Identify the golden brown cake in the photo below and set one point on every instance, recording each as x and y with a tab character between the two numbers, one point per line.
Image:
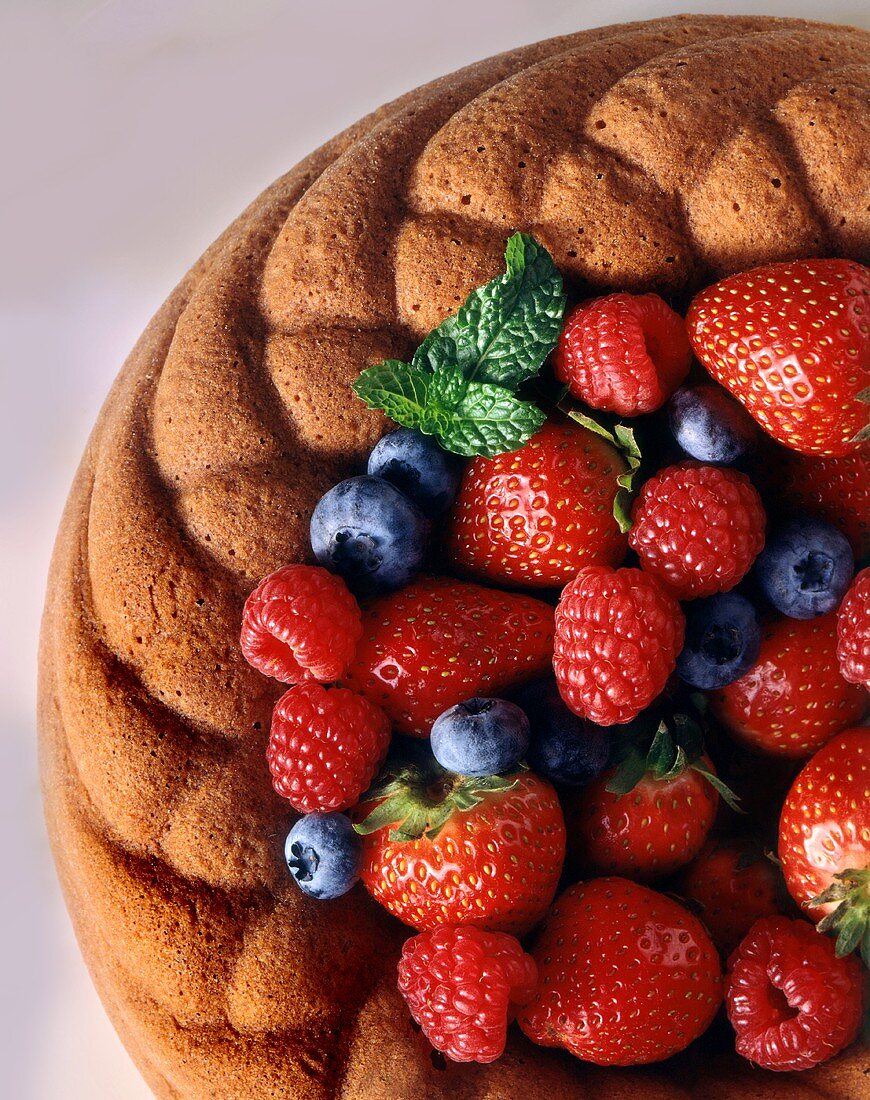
643	156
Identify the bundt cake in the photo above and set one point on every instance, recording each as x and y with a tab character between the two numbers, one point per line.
646	156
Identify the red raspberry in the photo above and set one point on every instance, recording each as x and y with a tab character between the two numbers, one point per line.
618	633
301	623
625	353
790	1000
325	746
853	631
463	985
698	528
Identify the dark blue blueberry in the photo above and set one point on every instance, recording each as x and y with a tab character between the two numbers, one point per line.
368	532
414	463
723	637
711	426
805	568
323	854
480	737
563	748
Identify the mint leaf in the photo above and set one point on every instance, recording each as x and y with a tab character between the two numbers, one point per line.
507	328
398	388
489	420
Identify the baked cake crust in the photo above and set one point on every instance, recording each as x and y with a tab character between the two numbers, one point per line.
643	156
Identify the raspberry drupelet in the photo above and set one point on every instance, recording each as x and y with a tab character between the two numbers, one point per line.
618	633
463	986
325	746
698	528
624	353
790	1000
301	623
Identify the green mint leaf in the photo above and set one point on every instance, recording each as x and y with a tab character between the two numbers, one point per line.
488	420
506	329
400	389
623	439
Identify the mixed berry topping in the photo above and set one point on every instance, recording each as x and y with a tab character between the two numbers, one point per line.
601	588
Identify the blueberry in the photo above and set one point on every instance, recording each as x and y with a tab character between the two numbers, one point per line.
563	748
416	465
723	637
480	737
711	426
323	854
370	533
805	568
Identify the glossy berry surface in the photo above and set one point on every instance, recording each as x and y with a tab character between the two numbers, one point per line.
834	489
440	641
711	426
734	884
654	829
323	855
300	623
325	746
623	353
793	699
698	528
824	828
480	736
791	1001
564	748
723	639
418	467
494	864
805	567
618	633
626	976
462	987
368	532
534	516
853	632
791	341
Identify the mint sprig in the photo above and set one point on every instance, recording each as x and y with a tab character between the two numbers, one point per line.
461	382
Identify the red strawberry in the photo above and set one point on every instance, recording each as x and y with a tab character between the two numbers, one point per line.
618	633
824	839
325	746
698	528
791	341
647	832
853	631
626	976
450	849
793	699
836	489
463	986
300	623
790	1000
624	353
439	641
735	884
535	516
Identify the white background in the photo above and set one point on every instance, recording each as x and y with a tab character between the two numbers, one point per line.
131	133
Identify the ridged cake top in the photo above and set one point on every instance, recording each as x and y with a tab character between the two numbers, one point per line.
644	156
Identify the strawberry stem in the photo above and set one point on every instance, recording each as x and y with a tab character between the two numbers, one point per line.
851	918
